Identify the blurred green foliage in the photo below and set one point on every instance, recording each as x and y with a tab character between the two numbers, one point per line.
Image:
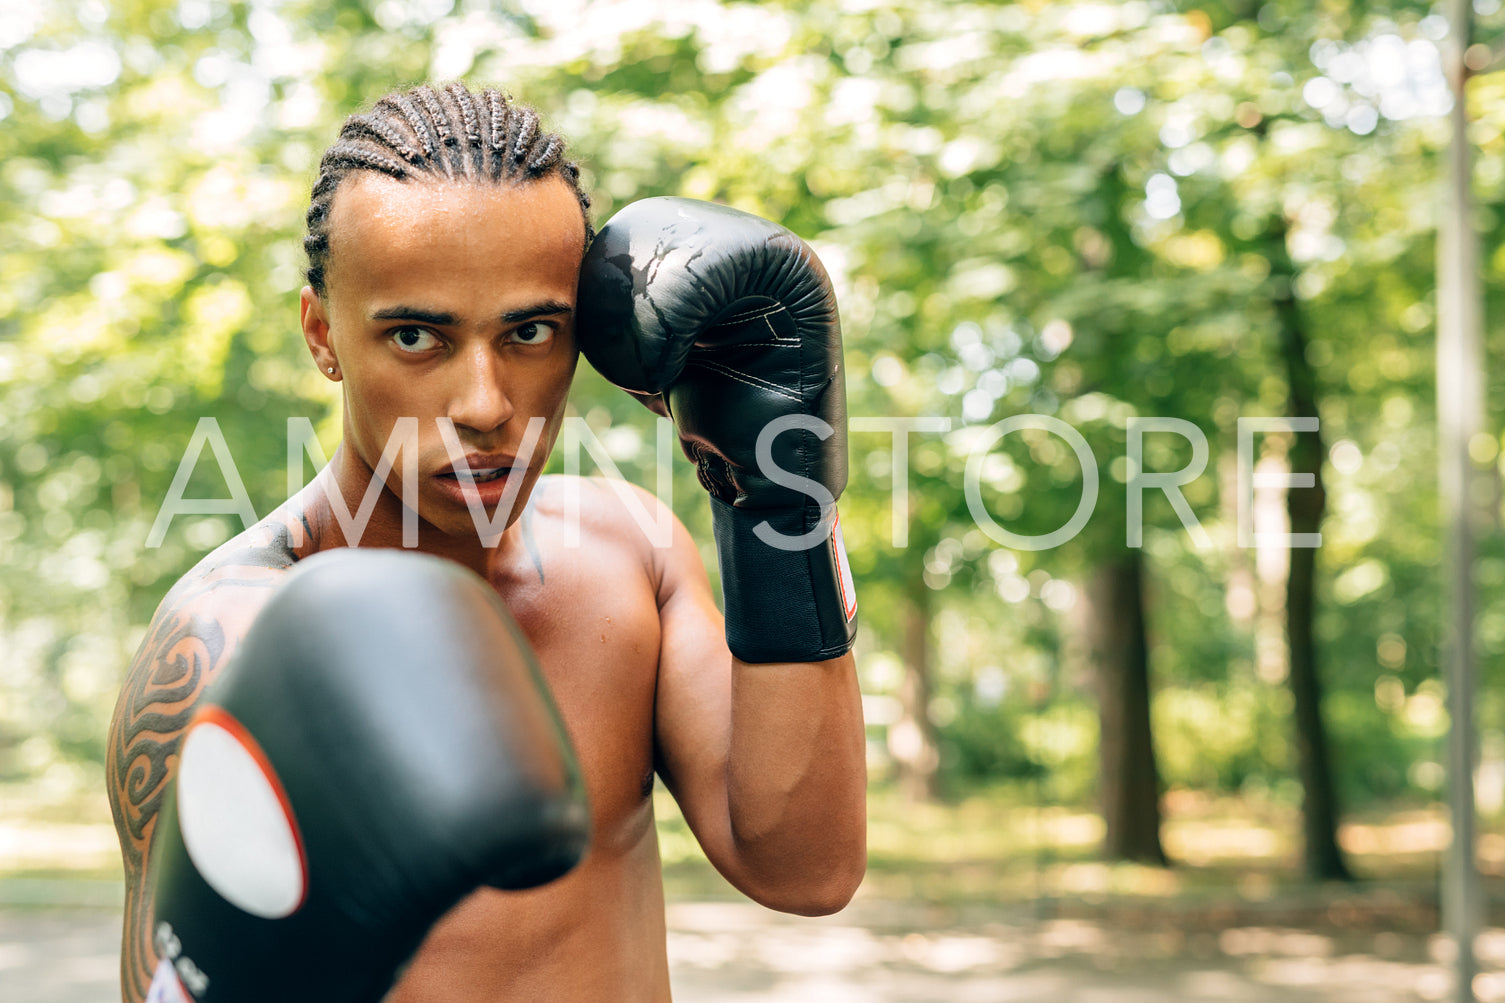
1062	209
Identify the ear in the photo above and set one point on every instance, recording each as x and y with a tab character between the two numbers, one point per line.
314	317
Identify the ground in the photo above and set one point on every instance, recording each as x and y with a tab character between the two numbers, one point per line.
985	899
885	952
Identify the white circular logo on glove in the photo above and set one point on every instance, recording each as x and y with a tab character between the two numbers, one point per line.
236	822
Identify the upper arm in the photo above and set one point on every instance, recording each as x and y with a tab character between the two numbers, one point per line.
182	651
693	704
191	637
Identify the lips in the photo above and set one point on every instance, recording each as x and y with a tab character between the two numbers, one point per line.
480	477
475	476
479	468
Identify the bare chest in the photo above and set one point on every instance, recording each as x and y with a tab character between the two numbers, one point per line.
592	618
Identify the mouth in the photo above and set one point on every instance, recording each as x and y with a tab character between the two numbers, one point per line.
480	468
476	475
486	479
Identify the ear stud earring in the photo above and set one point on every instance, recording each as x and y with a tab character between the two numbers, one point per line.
330	370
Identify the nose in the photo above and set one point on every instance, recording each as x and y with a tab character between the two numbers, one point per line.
480	402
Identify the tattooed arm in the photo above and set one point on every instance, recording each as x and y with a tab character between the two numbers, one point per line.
195	631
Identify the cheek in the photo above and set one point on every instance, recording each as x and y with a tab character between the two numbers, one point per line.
567	372
562	393
548	388
549	399
373	411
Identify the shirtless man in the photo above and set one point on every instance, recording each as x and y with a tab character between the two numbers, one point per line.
445	242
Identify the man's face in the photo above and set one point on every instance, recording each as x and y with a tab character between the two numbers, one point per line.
451	300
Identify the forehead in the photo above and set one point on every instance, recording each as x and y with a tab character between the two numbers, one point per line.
384	232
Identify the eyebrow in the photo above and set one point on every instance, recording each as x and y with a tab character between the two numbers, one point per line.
440	318
548	308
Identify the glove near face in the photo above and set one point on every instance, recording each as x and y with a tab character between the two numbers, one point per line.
727	323
380	745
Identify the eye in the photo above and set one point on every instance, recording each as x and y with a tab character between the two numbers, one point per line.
414	339
532	333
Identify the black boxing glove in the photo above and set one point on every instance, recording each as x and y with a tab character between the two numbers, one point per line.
727	323
380	745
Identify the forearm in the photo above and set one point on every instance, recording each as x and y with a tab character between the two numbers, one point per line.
797	783
743	347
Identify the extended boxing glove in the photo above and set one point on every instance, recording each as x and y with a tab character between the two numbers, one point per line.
727	323
380	745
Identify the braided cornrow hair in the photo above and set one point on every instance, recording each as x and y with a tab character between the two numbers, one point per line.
439	133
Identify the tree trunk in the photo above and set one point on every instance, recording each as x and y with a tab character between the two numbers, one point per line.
1322	857
1129	779
912	739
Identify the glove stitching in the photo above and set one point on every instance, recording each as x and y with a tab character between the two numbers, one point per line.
751	381
751	314
803	444
778	343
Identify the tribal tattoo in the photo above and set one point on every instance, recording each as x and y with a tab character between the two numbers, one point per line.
192	636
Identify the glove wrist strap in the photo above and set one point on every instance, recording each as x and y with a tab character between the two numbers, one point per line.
788	588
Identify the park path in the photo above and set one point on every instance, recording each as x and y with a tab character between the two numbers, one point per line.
876	952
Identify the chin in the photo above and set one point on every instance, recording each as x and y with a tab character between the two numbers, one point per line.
460	525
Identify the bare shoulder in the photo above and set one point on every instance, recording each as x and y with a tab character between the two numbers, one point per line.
608	504
612	513
193	633
187	640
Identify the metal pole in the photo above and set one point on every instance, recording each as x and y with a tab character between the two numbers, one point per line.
1460	416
